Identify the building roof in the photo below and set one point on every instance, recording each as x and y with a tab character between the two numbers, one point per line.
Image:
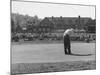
67	20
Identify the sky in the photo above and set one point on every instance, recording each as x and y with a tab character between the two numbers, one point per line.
48	10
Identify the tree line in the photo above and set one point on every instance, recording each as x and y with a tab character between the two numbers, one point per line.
19	21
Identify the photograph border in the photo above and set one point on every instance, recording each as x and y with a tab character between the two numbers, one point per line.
48	3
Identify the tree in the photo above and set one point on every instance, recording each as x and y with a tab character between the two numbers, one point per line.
19	21
18	28
12	25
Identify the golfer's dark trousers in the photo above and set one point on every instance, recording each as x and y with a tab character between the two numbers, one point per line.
67	44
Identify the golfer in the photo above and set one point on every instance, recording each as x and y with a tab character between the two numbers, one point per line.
66	36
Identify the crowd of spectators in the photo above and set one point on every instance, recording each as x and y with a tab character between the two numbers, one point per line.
16	37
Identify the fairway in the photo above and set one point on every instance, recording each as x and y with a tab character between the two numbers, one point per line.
44	53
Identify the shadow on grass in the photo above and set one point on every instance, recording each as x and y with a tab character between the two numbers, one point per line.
80	54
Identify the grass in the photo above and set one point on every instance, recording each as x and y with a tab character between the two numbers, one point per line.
28	68
40	58
45	42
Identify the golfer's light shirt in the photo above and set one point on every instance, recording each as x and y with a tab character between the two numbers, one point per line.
68	32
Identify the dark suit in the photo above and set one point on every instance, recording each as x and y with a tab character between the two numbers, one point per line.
67	44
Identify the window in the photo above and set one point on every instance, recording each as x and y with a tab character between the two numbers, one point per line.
76	21
43	29
82	21
34	29
48	29
70	21
39	29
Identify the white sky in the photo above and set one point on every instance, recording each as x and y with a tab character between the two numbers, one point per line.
47	10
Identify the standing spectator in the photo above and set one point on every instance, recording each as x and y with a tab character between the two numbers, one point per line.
88	39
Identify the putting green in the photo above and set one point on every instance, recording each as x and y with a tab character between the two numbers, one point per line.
43	53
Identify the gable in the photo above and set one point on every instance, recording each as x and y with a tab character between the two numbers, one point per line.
45	22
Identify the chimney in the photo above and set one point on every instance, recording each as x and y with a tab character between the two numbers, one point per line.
52	17
79	17
60	17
